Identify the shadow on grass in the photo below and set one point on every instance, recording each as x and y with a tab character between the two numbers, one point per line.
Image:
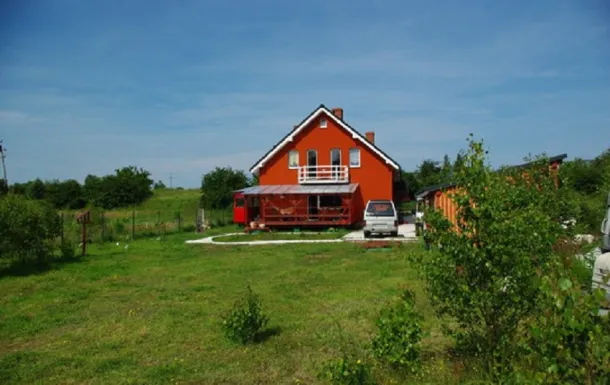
266	334
23	269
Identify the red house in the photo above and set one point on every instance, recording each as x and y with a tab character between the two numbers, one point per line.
321	173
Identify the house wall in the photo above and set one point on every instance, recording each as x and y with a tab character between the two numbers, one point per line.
442	201
374	176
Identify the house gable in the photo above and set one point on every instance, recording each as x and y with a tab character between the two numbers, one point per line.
307	123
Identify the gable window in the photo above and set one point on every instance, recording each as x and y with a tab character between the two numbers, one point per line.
354	157
293	159
323	123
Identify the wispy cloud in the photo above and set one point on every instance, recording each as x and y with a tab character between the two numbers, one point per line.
195	85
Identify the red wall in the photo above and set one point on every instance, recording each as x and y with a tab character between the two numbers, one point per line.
373	175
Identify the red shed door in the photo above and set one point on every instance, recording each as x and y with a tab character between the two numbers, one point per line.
239	209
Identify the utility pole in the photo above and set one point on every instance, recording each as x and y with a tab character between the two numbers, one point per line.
2	156
171	179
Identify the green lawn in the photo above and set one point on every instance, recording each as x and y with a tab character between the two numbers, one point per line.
150	314
278	235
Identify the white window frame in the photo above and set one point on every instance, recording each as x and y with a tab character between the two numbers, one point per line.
357	151
296	153
323	122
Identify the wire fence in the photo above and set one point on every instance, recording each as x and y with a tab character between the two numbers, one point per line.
110	226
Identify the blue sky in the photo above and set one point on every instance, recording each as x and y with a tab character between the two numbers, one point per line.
183	86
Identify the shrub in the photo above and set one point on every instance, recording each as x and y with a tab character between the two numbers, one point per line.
399	336
246	319
567	341
483	272
67	251
347	370
28	230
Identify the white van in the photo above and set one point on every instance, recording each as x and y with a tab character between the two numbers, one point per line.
380	217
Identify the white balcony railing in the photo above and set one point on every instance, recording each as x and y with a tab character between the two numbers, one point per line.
323	174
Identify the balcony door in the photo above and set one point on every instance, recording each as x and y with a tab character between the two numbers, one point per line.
312	162
335	162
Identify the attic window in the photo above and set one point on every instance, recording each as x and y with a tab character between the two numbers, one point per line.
323	123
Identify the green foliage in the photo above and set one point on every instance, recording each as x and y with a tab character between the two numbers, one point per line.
36	189
567	341
3	188
65	194
28	230
128	186
398	340
482	272
347	370
67	251
218	185
159	185
245	320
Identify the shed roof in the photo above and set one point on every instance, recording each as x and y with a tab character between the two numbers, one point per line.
278	189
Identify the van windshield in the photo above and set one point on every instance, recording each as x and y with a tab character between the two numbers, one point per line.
380	209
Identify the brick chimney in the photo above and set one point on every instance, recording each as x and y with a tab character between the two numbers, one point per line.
370	136
338	112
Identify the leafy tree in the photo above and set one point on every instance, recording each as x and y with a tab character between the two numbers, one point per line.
3	187
428	173
412	182
18	188
65	194
36	189
159	185
482	271
584	177
128	186
218	185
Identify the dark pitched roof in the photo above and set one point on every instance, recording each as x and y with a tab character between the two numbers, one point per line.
429	189
341	122
553	159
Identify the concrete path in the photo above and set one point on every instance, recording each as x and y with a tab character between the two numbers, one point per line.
210	241
406	233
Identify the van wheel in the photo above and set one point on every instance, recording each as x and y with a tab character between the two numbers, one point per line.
367	234
394	234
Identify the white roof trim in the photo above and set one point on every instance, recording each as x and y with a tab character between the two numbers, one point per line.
302	126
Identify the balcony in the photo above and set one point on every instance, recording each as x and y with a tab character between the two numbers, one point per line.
323	174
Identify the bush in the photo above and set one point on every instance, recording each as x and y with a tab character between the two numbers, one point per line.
347	370
67	251
245	320
398	340
483	271
28	230
567	342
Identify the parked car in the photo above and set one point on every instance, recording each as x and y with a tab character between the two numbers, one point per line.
380	217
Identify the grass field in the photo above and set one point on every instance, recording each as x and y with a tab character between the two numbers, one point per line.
150	314
167	211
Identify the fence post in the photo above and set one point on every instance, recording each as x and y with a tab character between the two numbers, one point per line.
133	224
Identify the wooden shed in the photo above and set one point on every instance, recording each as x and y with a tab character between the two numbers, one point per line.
438	196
